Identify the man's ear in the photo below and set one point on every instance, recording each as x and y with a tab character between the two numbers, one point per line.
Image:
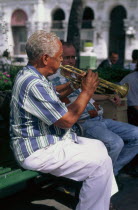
45	59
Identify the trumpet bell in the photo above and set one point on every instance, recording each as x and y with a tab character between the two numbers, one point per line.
121	90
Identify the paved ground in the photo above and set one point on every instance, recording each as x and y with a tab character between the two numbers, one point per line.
127	198
49	198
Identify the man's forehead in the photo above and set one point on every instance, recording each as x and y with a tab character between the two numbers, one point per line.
68	49
114	54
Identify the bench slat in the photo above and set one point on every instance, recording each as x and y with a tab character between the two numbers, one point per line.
16	178
14	181
9	173
4	170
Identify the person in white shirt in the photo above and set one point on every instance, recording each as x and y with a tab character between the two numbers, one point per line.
132	65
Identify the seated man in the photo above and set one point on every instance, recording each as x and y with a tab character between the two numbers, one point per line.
121	139
41	137
112	61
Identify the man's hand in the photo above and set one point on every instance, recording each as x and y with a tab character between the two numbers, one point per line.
115	99
90	82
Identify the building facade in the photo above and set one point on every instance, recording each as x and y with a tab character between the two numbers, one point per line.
108	24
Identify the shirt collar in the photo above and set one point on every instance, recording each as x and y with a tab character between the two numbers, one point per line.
32	68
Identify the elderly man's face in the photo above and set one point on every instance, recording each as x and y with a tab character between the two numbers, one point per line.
114	58
54	62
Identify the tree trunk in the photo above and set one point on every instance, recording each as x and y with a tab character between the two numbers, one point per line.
74	26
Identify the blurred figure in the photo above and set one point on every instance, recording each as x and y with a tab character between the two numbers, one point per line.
132	97
132	64
5	60
112	61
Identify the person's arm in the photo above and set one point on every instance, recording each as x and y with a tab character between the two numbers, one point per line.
113	98
66	89
88	86
99	97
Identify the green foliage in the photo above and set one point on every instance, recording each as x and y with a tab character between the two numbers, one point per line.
5	81
13	72
7	77
112	74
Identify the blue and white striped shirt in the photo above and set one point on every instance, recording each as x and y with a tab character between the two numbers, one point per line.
35	106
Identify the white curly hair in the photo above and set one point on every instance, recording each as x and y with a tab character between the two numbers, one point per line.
40	43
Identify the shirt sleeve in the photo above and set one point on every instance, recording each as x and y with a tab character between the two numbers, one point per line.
43	103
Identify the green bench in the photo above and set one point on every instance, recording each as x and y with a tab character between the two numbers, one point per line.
12	177
11	181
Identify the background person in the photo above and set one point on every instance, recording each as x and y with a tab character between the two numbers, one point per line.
112	61
132	111
41	137
121	139
132	64
132	97
5	61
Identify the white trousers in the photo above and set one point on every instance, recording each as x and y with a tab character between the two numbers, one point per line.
85	161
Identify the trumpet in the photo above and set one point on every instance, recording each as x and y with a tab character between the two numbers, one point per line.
104	85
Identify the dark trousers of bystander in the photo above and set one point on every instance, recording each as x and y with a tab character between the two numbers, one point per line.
132	115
